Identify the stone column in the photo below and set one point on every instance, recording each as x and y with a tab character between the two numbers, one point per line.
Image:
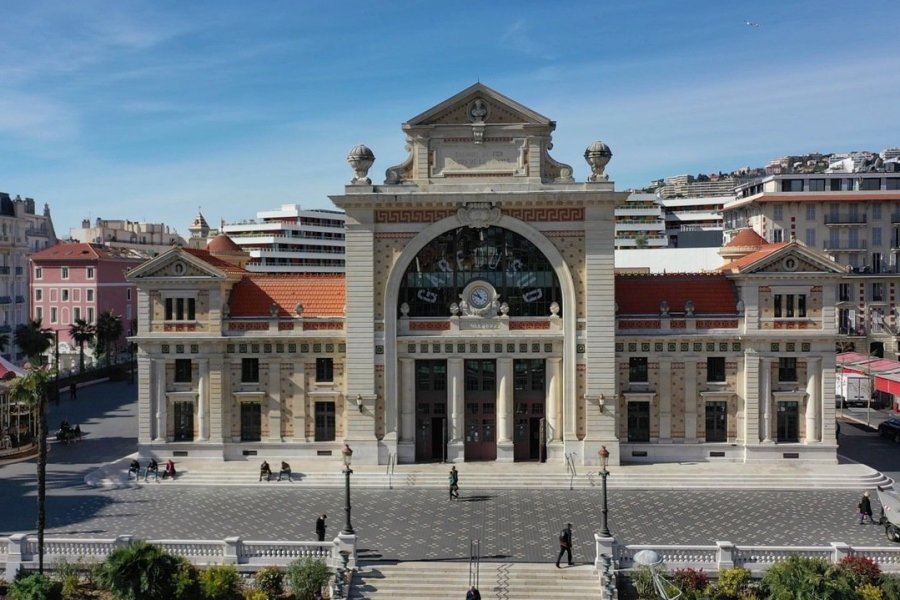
741	411
505	388
456	398
813	399
203	400
690	401
161	400
219	400
554	387
665	400
274	401
765	399
406	449
298	385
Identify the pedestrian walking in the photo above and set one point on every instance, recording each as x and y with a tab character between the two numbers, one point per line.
454	482
473	594
565	545
73	391
320	527
865	509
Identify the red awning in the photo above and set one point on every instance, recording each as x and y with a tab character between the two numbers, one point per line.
888	383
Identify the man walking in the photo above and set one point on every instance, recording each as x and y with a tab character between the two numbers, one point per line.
454	483
565	545
320	527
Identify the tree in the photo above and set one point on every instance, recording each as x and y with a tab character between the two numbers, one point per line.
33	339
31	390
109	330
82	333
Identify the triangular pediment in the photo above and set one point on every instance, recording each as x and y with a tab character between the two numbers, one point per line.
794	257
478	102
176	263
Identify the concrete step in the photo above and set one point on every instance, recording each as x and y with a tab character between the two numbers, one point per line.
449	581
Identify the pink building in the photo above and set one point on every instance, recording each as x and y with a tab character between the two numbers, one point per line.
72	281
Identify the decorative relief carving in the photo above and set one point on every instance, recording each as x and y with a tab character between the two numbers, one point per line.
547	214
639	324
717	323
412	216
429	325
308	326
248	326
529	325
181	327
479	214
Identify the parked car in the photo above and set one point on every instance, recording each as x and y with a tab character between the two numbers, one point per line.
890	429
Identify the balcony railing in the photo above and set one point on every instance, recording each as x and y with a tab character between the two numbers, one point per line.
846	220
5	299
846	246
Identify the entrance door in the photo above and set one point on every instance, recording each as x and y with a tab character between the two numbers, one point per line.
638	421
481	409
528	399
716	421
251	422
431	410
184	421
789	421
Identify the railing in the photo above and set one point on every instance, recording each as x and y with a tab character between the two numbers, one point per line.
756	558
570	468
474	562
392	461
20	551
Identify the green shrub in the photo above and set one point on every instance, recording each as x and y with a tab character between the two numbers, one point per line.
732	583
862	569
140	571
867	591
69	576
255	594
890	586
270	580
307	577
34	586
800	577
692	582
220	582
186	581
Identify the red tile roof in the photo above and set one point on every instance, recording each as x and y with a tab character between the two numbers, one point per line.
322	295
744	261
222	244
72	252
215	262
712	294
747	238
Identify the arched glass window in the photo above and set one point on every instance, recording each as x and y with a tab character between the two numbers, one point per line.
519	272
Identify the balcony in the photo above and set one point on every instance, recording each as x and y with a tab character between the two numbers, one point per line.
20	299
845	246
5	299
846	221
4	270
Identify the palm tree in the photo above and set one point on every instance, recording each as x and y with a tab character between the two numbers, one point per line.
82	333
109	330
31	389
33	339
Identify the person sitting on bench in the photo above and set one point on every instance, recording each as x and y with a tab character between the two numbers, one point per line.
285	470
152	467
265	471
135	468
169	471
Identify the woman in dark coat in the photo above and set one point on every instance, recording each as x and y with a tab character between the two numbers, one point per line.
865	509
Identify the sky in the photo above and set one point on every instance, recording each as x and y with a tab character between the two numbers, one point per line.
153	110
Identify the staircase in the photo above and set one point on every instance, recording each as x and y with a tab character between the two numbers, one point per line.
449	581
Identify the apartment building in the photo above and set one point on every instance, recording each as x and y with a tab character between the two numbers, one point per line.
146	238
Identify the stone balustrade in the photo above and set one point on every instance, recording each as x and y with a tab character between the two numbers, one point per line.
20	550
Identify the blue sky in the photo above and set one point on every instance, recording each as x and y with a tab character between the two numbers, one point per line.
149	110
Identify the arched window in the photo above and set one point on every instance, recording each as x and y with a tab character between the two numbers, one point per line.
519	272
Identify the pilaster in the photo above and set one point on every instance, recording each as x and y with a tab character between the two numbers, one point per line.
813	399
456	399
504	410
690	401
274	401
665	400
203	400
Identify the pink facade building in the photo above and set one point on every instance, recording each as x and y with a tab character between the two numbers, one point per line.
72	281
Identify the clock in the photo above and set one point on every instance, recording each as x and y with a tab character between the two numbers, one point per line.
479	296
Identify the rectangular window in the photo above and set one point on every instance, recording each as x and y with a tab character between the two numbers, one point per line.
892	183
876	211
715	369
791	185
65	272
876	236
870	184
816	185
844	292
637	369
128	293
89	295
180	309
90	314
777	306
38	294
76	314
250	370
787	369
834	184
716	421
38	273
39	313
89	272
777	236
877	292
876	262
182	370
789	306
811	237
325	421
65	295
810	212
778	212
324	369
53	316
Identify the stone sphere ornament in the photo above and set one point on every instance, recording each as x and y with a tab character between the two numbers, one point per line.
597	156
361	159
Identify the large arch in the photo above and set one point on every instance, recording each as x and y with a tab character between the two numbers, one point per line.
569	312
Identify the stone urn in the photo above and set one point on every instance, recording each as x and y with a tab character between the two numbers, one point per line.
361	159
597	156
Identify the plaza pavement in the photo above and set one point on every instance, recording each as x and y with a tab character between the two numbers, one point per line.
410	522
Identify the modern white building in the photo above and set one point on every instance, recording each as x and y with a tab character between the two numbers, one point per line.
292	240
639	223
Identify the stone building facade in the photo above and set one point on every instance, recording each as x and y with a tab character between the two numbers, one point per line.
480	318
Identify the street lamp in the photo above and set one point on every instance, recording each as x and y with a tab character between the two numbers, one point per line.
347	453
604	460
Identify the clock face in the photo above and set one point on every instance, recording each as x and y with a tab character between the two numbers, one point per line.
479	297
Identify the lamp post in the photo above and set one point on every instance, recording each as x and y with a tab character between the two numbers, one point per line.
604	460
347	453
